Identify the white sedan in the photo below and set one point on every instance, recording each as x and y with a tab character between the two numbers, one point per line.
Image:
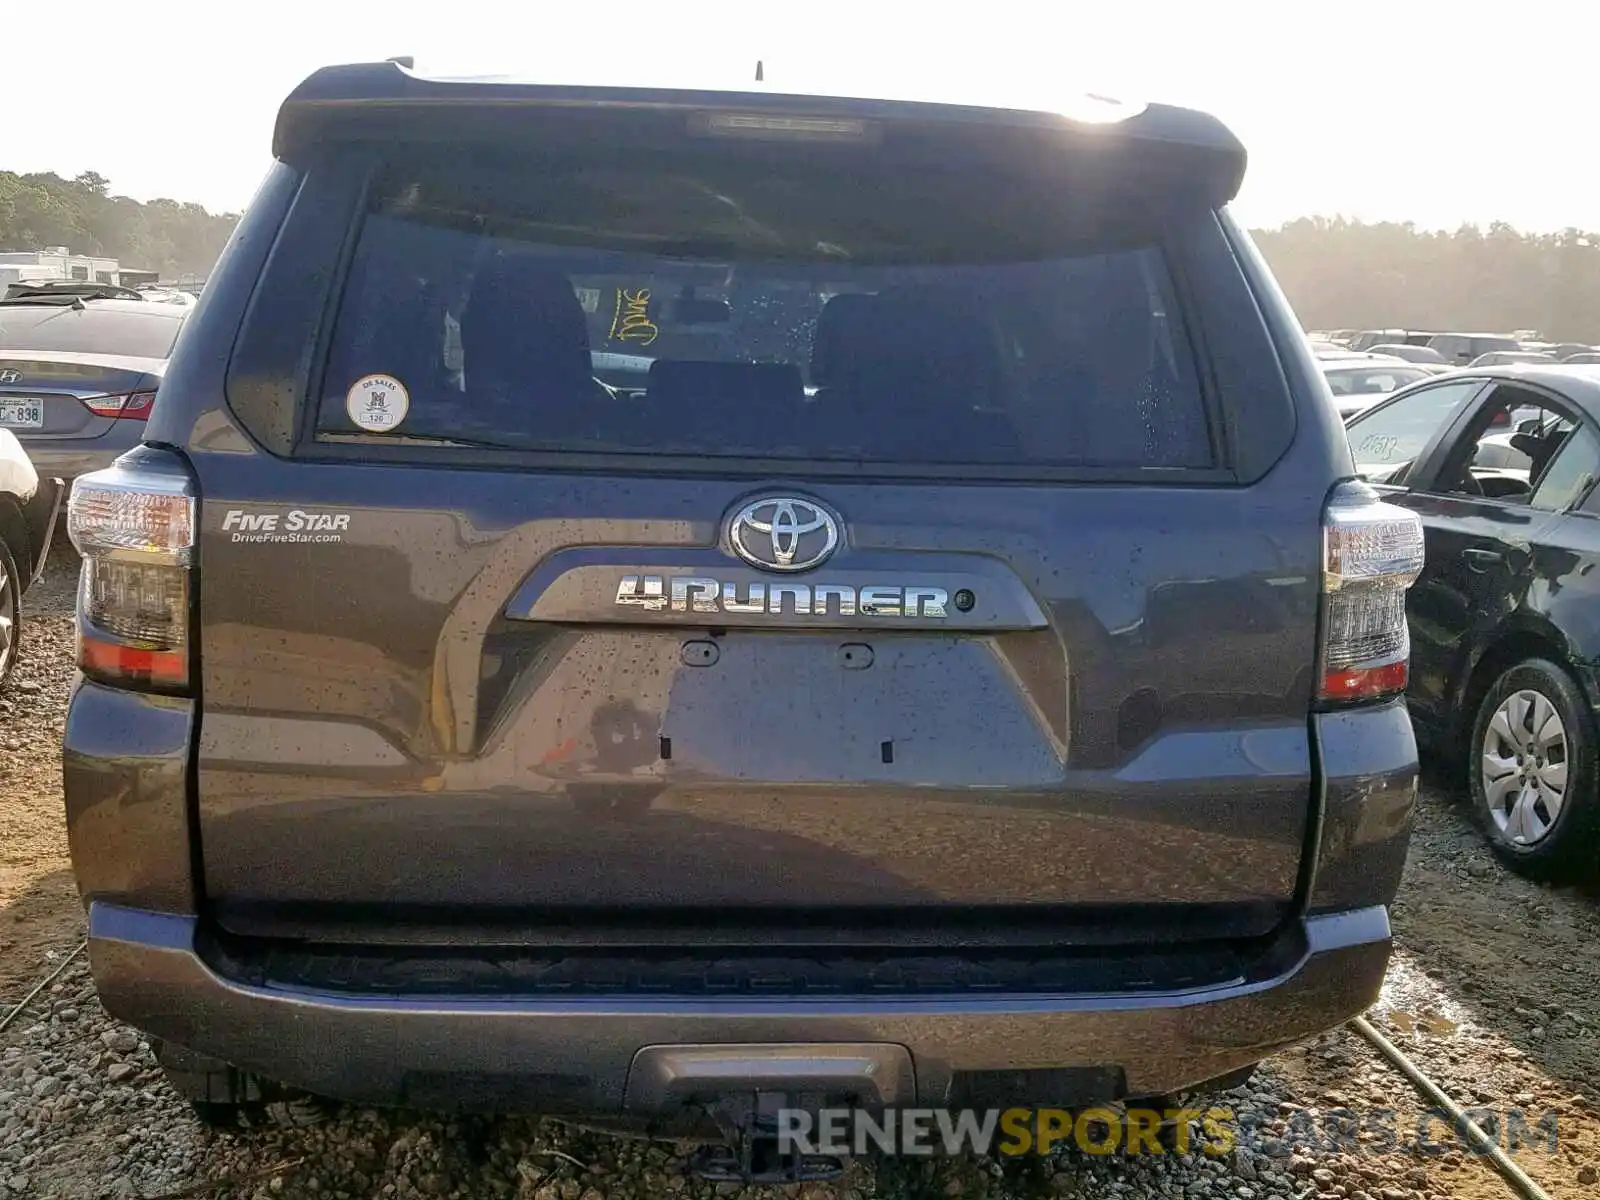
1358	383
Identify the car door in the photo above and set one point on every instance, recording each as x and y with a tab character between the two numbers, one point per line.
1393	443
1482	528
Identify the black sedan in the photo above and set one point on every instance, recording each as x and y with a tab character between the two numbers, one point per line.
1501	466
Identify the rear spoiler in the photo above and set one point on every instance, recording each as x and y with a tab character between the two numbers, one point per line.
388	100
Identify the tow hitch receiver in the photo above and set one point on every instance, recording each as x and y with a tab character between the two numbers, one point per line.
753	1152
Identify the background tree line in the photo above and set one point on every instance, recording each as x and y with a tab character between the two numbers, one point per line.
1338	274
1342	274
164	235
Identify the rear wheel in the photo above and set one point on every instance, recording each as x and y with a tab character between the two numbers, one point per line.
10	611
1532	772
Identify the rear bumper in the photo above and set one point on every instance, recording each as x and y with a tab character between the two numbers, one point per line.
577	1054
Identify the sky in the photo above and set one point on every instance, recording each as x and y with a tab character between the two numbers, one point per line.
1412	110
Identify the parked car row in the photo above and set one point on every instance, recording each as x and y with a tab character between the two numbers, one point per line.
1457	349
1362	367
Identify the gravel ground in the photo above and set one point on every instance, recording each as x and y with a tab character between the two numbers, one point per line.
1494	991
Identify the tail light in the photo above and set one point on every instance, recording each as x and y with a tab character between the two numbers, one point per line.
134	406
1371	553
134	526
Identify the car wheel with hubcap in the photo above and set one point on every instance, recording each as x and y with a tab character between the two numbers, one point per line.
1532	772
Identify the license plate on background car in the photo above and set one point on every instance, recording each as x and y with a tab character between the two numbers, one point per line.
21	414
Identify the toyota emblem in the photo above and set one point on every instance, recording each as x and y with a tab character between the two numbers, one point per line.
783	533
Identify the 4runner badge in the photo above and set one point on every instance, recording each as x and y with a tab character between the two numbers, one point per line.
702	594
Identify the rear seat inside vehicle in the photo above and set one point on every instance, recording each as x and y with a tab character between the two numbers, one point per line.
901	372
913	371
525	345
907	371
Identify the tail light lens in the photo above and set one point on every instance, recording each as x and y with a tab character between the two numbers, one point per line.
134	527
133	406
1371	553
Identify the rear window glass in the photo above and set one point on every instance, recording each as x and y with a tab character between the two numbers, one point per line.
88	330
1370	380
702	306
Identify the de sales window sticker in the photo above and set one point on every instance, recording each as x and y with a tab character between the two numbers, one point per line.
377	403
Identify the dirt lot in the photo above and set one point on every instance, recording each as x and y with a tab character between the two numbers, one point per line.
1494	992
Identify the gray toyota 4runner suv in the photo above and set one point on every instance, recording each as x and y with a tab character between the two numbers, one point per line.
634	601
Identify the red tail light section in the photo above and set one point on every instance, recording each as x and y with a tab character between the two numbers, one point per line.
1372	553
134	527
134	406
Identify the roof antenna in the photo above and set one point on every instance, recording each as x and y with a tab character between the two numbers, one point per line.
760	74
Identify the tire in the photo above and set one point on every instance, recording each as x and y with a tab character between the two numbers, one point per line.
10	612
1531	773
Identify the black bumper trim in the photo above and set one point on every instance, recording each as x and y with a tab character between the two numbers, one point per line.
385	1048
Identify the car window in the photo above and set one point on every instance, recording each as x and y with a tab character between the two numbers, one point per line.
1508	448
1370	380
1572	472
725	309
89	329
1394	434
